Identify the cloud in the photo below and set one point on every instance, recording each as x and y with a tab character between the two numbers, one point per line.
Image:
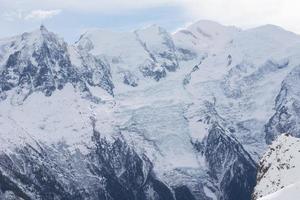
246	13
41	14
103	6
30	15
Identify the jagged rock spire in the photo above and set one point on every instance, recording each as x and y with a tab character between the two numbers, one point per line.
42	26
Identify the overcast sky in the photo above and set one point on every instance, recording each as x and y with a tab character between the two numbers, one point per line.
70	18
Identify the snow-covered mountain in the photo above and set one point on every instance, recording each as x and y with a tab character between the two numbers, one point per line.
278	176
144	114
150	51
40	61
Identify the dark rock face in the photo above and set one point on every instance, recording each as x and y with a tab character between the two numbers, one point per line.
231	170
186	54
95	72
111	170
183	193
171	63
162	59
45	66
44	75
188	77
230	165
286	118
150	69
130	79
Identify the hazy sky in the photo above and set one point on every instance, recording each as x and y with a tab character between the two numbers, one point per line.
70	18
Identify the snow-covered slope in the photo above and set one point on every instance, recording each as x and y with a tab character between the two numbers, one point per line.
290	192
279	170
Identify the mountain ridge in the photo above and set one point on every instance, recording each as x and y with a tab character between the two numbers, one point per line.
194	114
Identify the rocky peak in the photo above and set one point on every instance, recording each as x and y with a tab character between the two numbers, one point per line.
279	167
43	28
41	61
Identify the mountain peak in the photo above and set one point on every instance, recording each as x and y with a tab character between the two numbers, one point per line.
152	26
206	22
43	28
39	35
209	25
207	29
